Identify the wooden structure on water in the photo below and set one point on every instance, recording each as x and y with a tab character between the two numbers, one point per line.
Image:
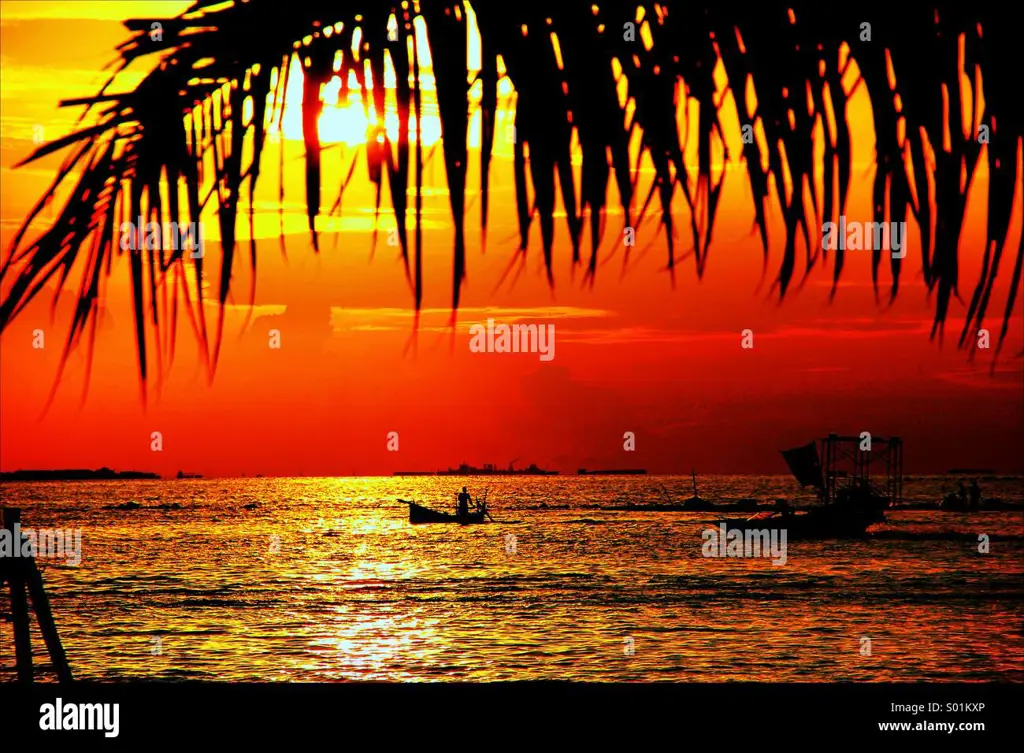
845	475
848	466
24	582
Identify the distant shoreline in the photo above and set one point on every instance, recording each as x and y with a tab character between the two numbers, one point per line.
78	474
106	474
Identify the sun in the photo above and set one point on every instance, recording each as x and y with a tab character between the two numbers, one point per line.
347	121
345	118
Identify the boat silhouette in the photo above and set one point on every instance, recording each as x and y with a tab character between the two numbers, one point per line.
488	469
419	514
850	501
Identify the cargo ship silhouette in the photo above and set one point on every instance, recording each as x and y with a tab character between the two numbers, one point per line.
488	469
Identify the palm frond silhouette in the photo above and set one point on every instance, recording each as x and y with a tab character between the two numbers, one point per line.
185	126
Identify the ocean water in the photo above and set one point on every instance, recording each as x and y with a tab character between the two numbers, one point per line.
325	579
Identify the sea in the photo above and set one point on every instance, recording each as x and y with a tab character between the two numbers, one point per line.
324	579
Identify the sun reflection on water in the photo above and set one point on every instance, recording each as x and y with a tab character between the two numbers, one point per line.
327	580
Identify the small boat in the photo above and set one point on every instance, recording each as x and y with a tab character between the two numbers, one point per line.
830	522
129	505
696	502
952	503
421	514
693	504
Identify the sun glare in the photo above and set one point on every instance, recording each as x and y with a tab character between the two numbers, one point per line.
345	119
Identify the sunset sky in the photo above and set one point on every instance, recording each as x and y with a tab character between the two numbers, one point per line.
634	353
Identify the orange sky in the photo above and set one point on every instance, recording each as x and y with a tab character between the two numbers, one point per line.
633	353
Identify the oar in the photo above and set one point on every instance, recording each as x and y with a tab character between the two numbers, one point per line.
486	512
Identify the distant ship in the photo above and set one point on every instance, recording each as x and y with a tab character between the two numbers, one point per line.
488	469
75	474
613	472
182	474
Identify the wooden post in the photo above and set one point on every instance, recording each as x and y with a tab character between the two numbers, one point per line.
22	639
21	574
41	603
19	604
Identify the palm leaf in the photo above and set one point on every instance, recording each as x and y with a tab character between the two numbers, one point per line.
183	127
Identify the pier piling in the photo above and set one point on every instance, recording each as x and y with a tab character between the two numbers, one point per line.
25	582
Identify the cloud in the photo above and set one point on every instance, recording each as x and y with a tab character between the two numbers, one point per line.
632	335
882	328
439	320
1005	376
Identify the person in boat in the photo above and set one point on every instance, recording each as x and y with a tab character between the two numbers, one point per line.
975	493
961	493
782	505
464	500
